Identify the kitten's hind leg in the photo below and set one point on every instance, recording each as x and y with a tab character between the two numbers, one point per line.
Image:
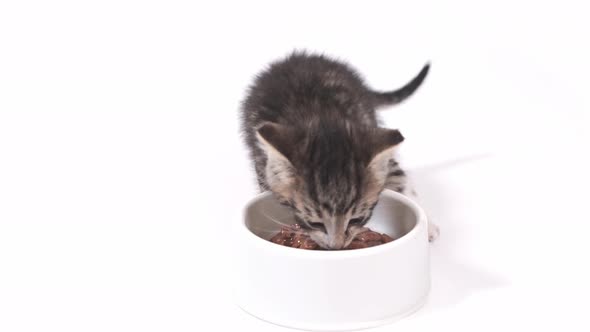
399	181
433	229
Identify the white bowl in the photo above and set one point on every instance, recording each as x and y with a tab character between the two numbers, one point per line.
332	290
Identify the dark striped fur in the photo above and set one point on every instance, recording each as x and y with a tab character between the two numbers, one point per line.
311	127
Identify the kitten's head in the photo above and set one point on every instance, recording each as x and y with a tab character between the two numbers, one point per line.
331	175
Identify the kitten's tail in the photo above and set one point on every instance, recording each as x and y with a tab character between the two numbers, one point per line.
399	95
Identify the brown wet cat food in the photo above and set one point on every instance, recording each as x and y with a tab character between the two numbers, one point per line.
291	236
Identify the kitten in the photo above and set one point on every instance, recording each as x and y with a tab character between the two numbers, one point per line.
311	127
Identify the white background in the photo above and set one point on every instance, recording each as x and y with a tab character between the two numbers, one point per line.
121	160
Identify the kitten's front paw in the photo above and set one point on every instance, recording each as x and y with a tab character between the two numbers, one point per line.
433	232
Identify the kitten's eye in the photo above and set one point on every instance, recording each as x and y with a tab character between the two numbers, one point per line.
285	202
356	222
318	225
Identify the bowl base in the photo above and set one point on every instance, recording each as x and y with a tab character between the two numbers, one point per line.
342	327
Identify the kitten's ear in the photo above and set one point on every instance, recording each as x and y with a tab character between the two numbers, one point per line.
383	143
277	142
385	139
275	139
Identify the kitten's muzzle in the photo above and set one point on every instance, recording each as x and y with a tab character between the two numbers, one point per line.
336	242
336	232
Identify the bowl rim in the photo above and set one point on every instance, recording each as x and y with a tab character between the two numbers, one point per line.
246	234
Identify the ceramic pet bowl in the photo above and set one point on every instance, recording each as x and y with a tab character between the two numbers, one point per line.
332	290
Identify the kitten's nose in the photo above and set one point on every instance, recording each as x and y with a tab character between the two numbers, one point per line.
336	242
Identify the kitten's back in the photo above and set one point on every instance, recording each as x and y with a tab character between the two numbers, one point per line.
315	97
303	86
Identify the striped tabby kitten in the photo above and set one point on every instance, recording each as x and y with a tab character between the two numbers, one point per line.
311	127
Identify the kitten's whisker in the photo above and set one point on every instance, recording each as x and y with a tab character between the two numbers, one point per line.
278	222
275	220
260	229
274	230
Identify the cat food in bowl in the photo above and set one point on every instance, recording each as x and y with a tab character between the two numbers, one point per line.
331	290
292	236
